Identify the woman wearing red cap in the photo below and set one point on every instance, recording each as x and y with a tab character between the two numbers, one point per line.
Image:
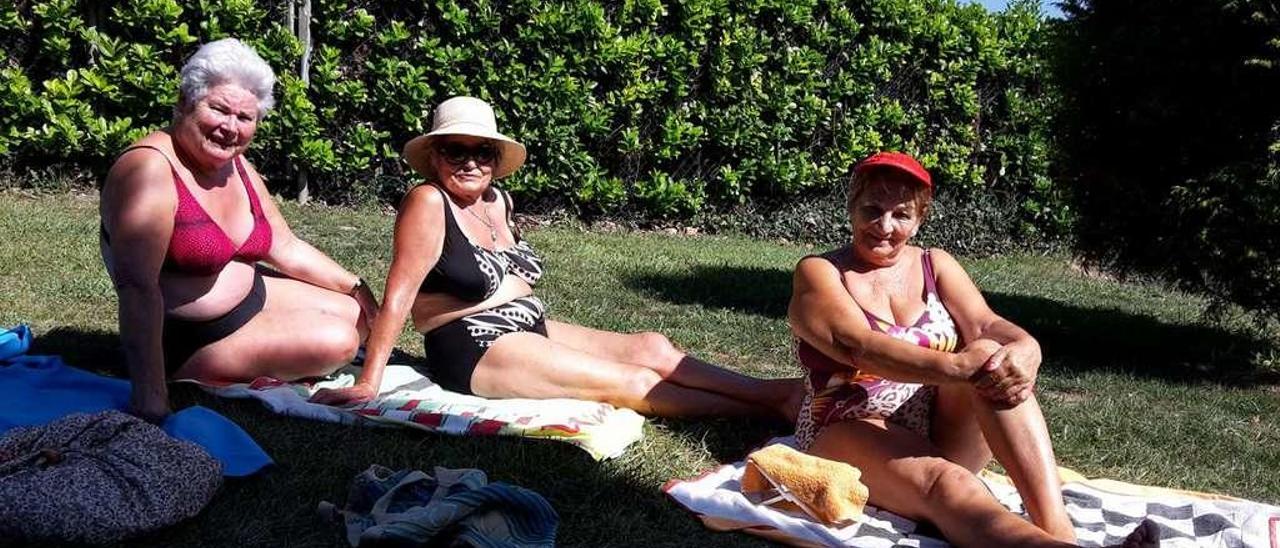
912	378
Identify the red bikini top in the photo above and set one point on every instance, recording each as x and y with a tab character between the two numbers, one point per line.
198	245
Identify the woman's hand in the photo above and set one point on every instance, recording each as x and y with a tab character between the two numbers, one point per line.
1009	376
975	355
351	395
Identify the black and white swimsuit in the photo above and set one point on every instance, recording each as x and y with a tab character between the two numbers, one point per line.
473	273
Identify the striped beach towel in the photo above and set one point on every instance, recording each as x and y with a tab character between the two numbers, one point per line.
1103	511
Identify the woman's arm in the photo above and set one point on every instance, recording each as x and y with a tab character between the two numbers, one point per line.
291	255
823	314
418	241
300	260
1010	374
138	217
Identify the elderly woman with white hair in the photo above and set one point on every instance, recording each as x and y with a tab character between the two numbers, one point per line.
461	269
185	222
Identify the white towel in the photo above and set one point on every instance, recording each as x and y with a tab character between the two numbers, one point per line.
1104	512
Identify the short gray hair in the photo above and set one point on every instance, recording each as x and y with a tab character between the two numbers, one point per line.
226	61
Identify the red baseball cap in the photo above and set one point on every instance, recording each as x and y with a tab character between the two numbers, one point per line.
899	161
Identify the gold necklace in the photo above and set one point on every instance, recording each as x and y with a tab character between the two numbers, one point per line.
493	231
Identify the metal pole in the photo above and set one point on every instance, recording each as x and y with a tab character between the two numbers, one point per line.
302	30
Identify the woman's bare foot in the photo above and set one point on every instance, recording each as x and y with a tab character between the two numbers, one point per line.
1147	535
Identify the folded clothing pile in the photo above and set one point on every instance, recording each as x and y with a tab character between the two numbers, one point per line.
452	508
99	478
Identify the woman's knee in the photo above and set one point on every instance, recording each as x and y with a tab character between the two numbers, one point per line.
341	306
637	383
332	342
655	350
349	308
945	484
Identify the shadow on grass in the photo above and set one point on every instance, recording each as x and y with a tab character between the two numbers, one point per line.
611	503
1077	338
754	290
91	350
727	439
1073	337
608	503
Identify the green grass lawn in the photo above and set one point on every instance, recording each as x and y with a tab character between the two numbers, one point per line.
1137	386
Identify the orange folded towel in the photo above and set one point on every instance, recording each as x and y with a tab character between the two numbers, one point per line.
829	491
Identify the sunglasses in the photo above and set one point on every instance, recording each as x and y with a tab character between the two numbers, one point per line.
458	153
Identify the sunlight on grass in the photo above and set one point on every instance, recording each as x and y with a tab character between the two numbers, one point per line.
1137	384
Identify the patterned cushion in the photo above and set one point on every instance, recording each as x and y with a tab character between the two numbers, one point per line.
99	478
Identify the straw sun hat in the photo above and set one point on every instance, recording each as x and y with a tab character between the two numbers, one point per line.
464	116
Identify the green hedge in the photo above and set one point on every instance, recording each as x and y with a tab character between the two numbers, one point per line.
1172	138
641	108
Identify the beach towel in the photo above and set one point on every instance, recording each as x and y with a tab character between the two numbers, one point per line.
452	508
40	389
1103	511
409	399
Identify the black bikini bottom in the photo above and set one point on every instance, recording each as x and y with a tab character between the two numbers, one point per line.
454	349
183	338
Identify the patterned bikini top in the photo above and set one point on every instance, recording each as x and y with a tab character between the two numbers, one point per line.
934	330
473	273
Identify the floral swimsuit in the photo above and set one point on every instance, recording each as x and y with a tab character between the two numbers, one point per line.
837	392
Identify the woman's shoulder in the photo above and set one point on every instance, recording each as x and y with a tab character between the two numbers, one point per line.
823	264
833	257
424	193
424	202
141	164
940	261
157	145
936	254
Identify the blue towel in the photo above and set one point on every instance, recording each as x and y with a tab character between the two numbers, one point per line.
40	389
224	440
15	341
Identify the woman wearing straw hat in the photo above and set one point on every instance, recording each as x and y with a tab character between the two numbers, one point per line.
461	268
912	378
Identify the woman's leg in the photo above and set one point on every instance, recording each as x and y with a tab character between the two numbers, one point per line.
529	365
968	430
907	475
302	331
656	352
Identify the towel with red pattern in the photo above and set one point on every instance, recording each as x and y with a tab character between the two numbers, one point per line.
409	399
